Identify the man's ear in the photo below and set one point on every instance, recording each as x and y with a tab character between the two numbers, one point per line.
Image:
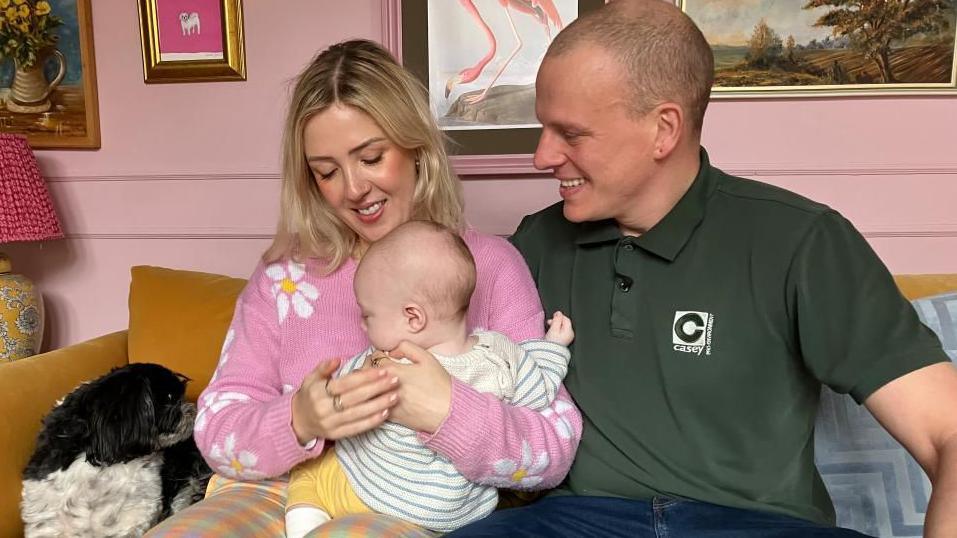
415	317
670	125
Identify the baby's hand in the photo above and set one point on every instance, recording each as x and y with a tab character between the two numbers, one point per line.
560	329
374	360
379	358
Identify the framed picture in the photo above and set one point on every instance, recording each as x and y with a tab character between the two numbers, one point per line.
192	40
829	47
48	74
478	59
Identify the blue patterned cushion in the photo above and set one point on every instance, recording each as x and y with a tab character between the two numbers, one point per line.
877	487
940	314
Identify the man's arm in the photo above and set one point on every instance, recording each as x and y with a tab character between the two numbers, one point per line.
920	410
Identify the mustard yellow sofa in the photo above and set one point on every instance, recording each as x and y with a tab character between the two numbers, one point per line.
179	319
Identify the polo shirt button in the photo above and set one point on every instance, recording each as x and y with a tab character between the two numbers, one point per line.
629	246
624	285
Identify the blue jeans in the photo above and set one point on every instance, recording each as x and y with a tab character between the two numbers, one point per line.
662	517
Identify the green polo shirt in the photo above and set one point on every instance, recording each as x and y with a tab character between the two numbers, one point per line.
700	346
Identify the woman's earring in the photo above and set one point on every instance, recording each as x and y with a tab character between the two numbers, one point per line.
416	167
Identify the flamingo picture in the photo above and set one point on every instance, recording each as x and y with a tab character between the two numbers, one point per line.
543	11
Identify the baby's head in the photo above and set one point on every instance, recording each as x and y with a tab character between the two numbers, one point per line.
415	284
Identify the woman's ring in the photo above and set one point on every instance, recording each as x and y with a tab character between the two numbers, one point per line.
337	403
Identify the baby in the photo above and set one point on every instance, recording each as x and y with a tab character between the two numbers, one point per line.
415	284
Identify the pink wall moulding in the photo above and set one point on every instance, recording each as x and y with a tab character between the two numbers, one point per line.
205	197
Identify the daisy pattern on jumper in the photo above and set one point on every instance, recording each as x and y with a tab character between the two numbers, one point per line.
233	463
224	355
519	475
213	403
556	415
290	289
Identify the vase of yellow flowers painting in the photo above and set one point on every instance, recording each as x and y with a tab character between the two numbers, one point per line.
27	37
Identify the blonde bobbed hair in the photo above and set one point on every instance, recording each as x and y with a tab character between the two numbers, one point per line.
362	75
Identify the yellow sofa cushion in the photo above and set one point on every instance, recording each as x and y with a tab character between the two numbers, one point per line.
179	319
916	286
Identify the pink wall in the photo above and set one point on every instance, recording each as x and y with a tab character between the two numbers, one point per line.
187	176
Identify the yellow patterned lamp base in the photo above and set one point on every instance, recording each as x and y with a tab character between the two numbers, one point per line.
21	315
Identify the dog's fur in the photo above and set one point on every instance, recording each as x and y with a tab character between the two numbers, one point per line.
115	457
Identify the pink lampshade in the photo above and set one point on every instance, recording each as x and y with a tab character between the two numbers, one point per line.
26	212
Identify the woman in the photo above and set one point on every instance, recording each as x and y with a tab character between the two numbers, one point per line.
361	155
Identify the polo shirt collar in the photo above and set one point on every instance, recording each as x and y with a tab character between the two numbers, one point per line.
669	236
601	231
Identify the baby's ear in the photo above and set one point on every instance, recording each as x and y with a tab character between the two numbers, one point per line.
415	317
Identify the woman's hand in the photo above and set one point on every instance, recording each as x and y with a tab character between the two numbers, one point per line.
425	388
335	408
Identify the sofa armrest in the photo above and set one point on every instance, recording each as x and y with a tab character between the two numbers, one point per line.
28	390
916	286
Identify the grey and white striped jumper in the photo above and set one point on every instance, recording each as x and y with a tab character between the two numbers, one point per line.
395	474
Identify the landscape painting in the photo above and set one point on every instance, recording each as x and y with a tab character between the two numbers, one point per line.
829	47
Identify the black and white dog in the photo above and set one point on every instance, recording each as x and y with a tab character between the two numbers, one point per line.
115	457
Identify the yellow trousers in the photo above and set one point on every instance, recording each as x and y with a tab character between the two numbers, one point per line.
322	483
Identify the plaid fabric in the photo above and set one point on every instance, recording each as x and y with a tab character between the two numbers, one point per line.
256	509
231	508
370	525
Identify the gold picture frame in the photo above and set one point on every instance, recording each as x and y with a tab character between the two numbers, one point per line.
65	112
175	48
818	48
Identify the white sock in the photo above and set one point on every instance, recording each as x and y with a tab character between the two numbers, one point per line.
302	519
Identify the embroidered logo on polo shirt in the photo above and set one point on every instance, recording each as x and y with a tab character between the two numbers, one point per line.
691	332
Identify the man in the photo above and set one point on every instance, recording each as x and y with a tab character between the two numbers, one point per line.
709	310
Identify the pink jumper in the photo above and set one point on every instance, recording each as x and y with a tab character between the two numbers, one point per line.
288	319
